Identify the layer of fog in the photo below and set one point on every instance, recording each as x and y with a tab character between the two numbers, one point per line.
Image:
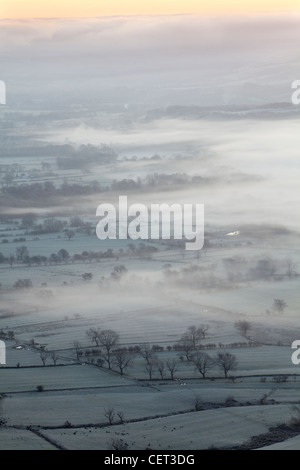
145	301
253	166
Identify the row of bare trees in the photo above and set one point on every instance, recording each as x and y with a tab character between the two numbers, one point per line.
45	355
202	362
190	343
190	340
111	355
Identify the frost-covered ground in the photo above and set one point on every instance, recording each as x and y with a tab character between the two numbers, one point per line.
197	430
163	410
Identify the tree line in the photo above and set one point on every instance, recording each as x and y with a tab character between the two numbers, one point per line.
111	355
62	256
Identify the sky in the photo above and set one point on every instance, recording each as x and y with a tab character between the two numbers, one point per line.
151	48
92	8
217	55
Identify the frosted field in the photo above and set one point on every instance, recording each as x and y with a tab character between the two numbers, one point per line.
16	380
136	400
198	430
158	308
19	439
255	298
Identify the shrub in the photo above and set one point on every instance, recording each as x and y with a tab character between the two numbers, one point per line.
67	424
198	404
117	444
230	401
280	379
23	284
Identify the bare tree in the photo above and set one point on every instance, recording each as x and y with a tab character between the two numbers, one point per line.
120	414
190	340
22	252
226	362
188	348
44	357
54	357
77	347
203	329
192	336
94	335
203	363
150	368
243	326
290	268
121	359
264	399
10	260
279	305
108	339
172	366
109	413
70	234
146	352
161	368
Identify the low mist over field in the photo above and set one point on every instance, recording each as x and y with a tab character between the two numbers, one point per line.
142	337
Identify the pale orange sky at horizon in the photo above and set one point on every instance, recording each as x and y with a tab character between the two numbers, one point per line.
92	8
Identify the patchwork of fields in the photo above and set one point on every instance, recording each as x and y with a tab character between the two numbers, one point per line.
66	405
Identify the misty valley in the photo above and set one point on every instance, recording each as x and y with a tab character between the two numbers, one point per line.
149	234
124	339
